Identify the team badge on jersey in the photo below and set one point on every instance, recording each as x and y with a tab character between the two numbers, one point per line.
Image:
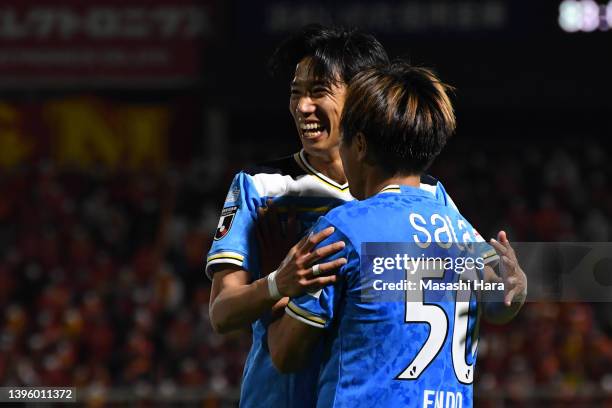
225	222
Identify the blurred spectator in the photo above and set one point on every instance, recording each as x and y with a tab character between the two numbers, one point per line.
102	284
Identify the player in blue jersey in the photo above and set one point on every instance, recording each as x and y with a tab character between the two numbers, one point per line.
311	182
381	352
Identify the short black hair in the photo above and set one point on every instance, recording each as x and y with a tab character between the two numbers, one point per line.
403	112
338	53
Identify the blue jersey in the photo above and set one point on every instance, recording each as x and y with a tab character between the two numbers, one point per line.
291	181
396	352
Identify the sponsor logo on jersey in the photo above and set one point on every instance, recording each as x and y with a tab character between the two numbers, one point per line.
225	222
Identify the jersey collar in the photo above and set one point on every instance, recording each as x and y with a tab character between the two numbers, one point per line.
391	188
402	189
300	158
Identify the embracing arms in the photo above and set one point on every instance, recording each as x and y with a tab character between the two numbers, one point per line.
500	309
235	303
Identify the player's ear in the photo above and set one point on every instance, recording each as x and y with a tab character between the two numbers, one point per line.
361	146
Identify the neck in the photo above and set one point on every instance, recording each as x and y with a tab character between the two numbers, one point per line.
376	181
329	164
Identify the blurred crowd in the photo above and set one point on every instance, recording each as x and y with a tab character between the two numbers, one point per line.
102	284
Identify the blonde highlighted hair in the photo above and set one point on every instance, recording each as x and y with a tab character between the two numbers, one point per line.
403	111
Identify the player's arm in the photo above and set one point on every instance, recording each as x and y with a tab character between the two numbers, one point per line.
292	337
236	300
236	303
290	342
501	308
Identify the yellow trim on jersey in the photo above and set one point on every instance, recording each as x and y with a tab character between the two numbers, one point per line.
226	255
304	314
489	253
307	167
391	188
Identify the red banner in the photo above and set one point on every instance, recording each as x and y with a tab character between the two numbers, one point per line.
129	42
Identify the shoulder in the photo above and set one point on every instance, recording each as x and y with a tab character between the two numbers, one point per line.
284	166
353	218
362	210
273	178
432	185
343	212
435	187
429	180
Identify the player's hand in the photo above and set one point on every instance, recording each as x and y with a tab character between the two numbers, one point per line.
274	243
295	275
513	277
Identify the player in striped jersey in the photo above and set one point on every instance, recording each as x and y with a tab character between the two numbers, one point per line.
311	181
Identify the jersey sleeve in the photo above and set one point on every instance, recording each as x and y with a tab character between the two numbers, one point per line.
319	308
486	251
234	241
442	196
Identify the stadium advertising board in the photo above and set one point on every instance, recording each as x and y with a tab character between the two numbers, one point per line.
388	18
100	42
85	132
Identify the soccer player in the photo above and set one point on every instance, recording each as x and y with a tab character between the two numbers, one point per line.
310	181
384	353
323	60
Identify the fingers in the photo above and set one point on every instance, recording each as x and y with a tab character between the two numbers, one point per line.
327	268
510	295
509	263
302	242
297	282
501	236
499	248
503	247
312	240
323	252
320	282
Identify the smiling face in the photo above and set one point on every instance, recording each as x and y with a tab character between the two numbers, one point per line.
316	107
